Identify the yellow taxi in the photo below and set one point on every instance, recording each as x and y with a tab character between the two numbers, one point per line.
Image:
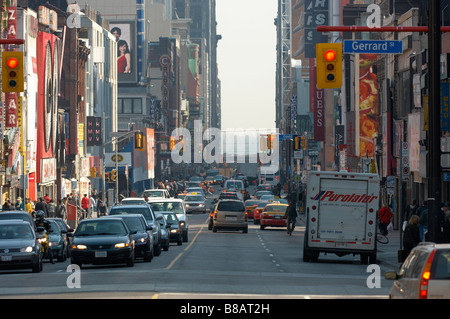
274	215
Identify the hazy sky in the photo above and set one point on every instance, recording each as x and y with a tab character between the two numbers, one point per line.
247	62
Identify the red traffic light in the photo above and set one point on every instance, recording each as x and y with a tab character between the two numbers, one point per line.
12	63
330	55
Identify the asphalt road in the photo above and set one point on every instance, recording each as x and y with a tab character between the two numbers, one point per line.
227	264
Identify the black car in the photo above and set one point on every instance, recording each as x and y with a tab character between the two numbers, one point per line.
57	241
175	229
19	246
147	211
17	214
102	241
165	229
65	230
143	239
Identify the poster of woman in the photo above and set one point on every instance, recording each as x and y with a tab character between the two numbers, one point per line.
124	32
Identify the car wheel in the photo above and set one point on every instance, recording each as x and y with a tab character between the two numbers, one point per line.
245	230
185	237
75	262
130	262
157	249
214	229
180	241
262	227
37	267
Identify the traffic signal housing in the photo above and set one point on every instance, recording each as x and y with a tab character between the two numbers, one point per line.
12	71
329	65
303	143
113	175
139	141
296	143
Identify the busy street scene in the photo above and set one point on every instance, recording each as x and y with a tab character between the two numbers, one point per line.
223	149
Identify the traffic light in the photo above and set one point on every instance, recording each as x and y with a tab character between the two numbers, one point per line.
296	143
113	174
107	177
12	71
269	142
329	65
173	142
139	141
303	142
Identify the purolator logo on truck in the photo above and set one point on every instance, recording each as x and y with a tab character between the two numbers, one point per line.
333	197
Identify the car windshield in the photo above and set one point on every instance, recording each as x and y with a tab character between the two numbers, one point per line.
101	227
171	218
154	193
175	207
132	210
228	195
251	202
263	204
276	208
195	198
442	265
134	224
234	184
54	227
231	206
15	232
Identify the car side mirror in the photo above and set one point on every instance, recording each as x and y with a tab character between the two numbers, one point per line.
149	228
391	275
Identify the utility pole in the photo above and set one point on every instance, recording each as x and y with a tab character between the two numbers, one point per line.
434	127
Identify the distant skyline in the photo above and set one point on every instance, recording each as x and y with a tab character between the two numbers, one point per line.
246	58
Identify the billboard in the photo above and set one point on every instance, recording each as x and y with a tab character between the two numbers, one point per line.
125	34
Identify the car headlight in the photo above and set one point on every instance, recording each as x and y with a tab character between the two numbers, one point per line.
80	247
121	245
42	240
28	249
182	224
201	205
142	240
173	231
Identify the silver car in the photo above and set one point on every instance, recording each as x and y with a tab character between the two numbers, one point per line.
19	246
425	274
195	203
230	214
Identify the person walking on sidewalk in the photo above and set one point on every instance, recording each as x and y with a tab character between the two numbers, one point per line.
411	235
385	216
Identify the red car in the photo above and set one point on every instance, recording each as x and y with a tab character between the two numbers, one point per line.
274	215
258	210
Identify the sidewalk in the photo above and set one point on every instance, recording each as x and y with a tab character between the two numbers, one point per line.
388	254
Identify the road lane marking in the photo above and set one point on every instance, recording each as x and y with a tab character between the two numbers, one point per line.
189	246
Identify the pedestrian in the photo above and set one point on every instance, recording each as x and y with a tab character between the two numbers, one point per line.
29	206
41	205
85	204
411	235
51	209
446	223
422	212
19	203
410	210
92	205
101	209
6	205
384	216
47	199
60	209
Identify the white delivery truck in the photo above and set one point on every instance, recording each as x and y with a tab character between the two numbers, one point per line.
341	215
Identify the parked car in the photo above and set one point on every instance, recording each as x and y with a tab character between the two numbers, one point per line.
165	240
57	241
142	235
147	211
174	229
230	214
425	274
19	246
102	241
172	205
195	203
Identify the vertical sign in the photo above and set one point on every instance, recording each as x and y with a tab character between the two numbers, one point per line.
339	138
93	131
11	98
319	115
445	120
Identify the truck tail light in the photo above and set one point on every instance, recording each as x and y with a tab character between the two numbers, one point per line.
423	288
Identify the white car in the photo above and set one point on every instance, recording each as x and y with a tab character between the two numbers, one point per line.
175	205
159	193
132	201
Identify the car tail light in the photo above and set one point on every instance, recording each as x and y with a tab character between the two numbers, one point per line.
215	214
423	288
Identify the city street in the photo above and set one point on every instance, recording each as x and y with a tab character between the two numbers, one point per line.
227	264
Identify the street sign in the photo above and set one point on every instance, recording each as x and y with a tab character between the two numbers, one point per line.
373	46
283	137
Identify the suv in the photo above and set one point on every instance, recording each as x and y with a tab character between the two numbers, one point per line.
175	205
424	274
149	215
230	213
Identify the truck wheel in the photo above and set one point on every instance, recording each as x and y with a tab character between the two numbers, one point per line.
373	258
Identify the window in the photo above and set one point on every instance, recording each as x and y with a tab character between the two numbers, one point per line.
130	106
231	206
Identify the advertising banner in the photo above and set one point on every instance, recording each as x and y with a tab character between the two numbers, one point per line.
125	33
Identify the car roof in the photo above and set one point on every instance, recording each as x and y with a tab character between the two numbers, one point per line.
230	200
431	246
160	200
144	204
14	212
13	221
125	216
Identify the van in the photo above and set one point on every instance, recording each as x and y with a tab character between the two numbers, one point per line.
341	215
230	214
